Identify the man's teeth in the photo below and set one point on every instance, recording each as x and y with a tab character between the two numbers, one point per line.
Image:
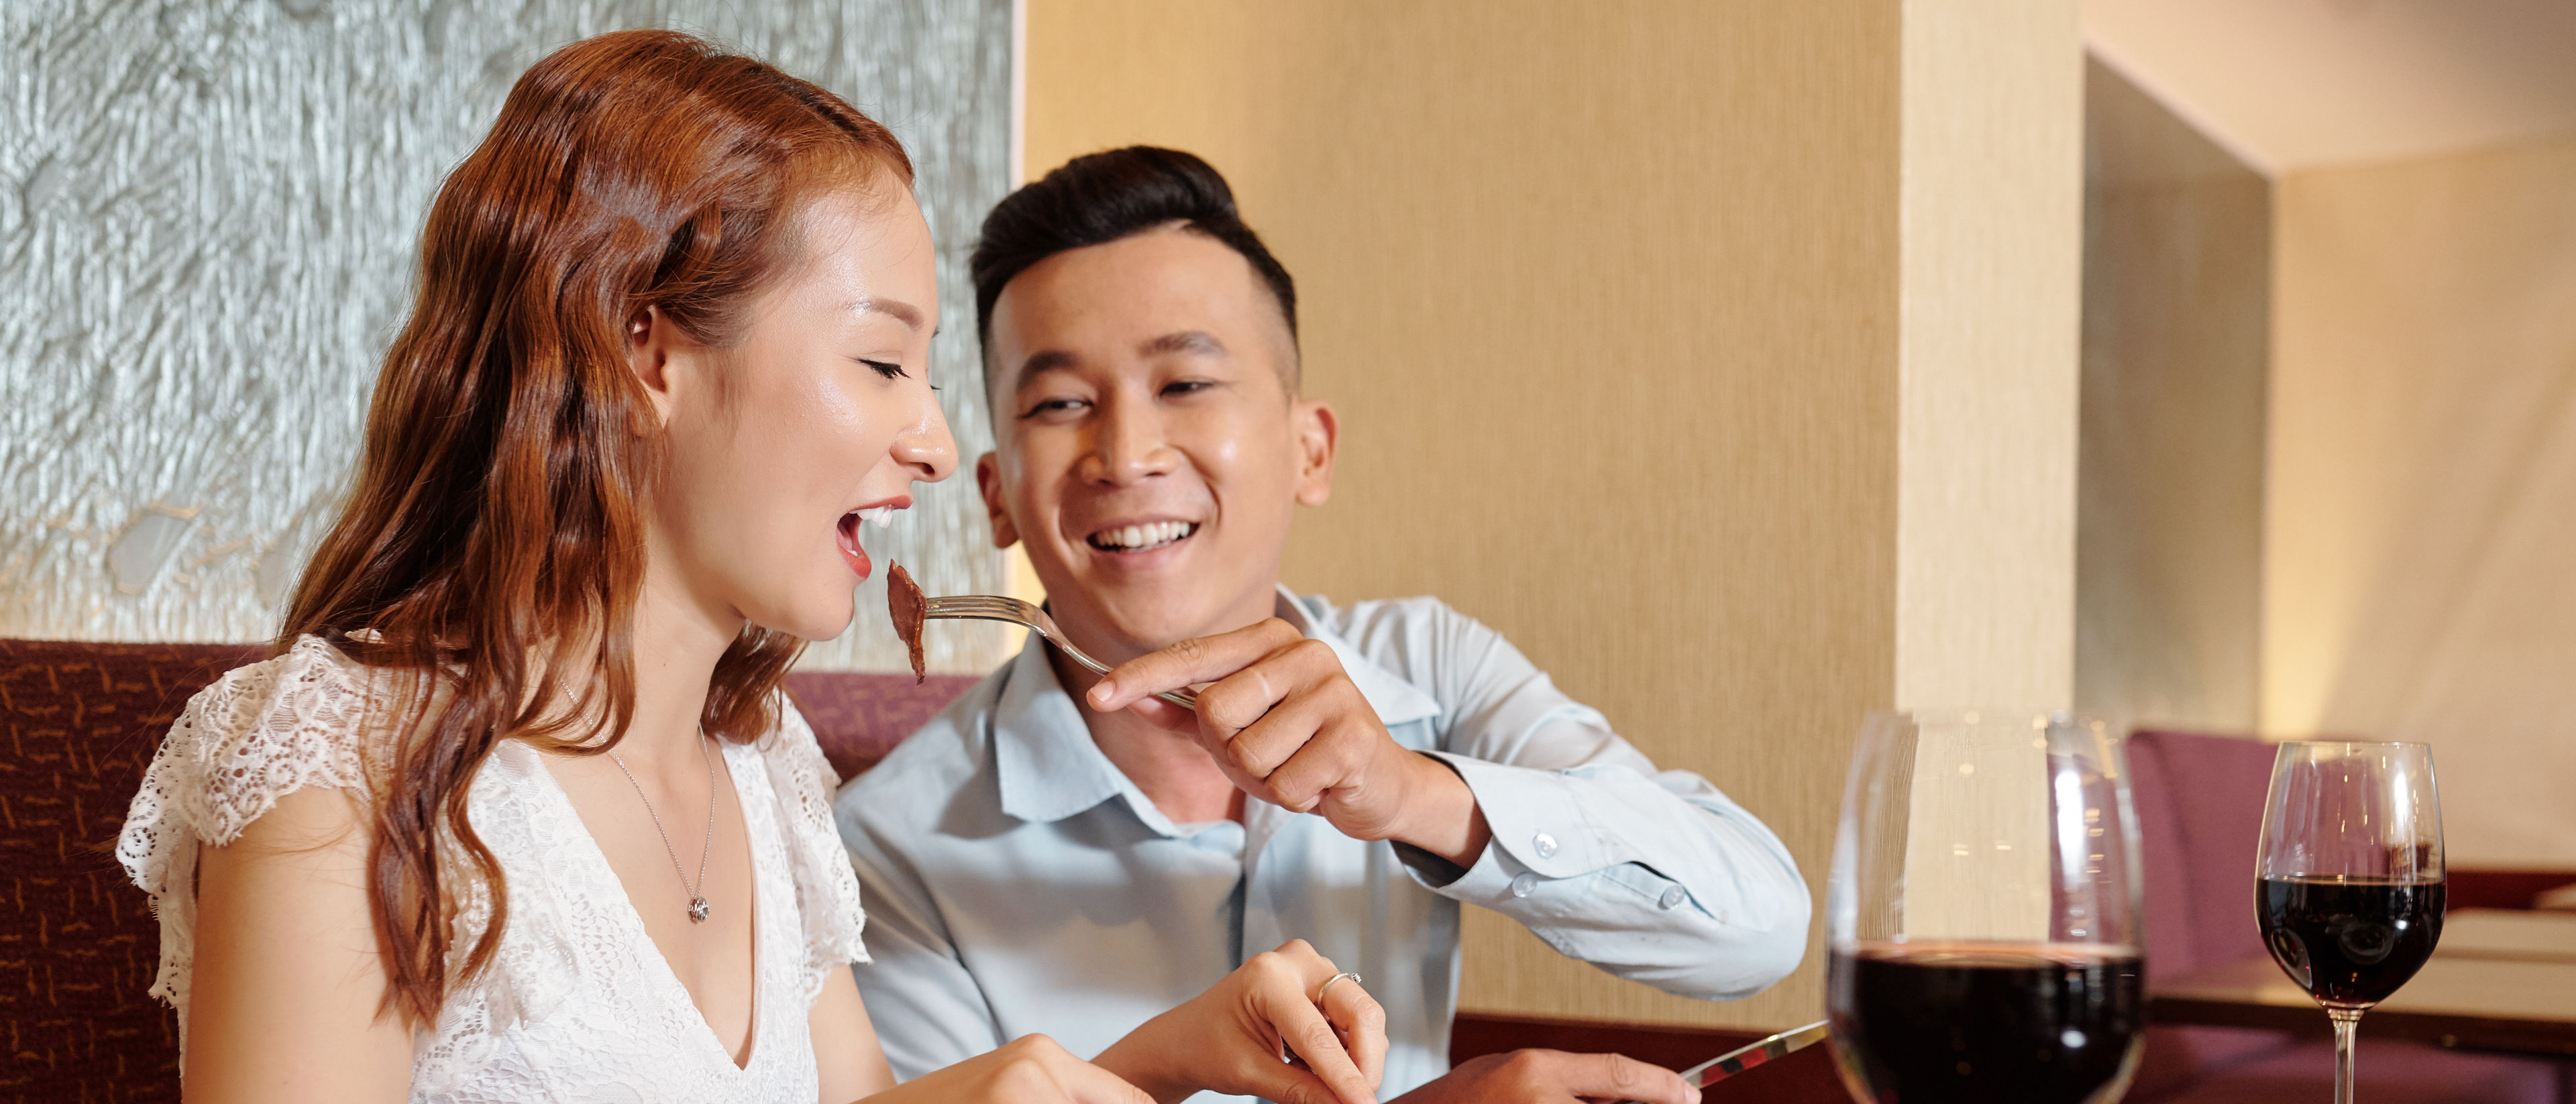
1144	536
883	516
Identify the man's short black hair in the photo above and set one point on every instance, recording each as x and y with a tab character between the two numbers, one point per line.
1101	197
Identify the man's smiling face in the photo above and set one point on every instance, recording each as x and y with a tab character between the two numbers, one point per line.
1151	448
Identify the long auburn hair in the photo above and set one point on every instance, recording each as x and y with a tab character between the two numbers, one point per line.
492	548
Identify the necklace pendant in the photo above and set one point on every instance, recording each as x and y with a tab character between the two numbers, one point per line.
697	910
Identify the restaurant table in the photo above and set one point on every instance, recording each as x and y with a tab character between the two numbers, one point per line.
2499	981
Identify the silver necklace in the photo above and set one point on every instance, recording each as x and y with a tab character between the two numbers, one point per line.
697	900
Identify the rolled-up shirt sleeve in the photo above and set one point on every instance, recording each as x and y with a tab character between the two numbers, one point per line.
1652	875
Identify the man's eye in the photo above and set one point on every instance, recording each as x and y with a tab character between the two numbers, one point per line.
1054	406
1187	387
888	369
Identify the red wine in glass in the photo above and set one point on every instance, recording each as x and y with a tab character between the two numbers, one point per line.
2349	881
2349	942
1983	918
2033	1024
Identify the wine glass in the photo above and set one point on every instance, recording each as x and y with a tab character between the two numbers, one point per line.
2349	883
1984	912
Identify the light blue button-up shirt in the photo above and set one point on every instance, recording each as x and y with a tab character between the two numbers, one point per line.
1017	882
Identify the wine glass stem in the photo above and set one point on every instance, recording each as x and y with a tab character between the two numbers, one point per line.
2347	1025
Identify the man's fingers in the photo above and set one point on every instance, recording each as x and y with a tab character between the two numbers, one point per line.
1270	740
1165	715
1617	1077
1332	759
1241	699
1196	660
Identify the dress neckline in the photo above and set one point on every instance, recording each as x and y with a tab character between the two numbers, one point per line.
630	923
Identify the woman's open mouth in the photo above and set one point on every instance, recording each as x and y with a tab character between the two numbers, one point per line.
1144	537
851	552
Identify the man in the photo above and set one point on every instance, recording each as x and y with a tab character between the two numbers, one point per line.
1066	854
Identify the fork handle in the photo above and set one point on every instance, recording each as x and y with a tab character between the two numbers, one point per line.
1182	698
937	611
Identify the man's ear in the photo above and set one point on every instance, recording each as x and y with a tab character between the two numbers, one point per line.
650	338
1318	431
988	479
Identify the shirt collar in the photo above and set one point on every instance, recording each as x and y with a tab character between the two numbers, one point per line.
1048	766
1396	700
1049	769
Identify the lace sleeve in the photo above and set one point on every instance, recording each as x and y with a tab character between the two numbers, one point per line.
259	733
827	890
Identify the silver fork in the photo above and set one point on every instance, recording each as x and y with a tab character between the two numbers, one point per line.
994	607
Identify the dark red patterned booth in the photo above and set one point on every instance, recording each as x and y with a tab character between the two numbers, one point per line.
78	723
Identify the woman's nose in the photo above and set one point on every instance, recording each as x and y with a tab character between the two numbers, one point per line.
928	448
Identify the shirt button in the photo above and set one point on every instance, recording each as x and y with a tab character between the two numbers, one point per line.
1523	885
1545	845
1672	897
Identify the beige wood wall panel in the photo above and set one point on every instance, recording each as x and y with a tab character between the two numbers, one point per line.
1605	296
2177	348
1993	185
209	210
1608	298
2419	582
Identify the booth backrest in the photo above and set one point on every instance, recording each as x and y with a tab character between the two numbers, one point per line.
2200	809
78	723
858	717
81	946
2199	801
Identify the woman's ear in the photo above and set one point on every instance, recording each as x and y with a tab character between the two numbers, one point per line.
1318	433
650	337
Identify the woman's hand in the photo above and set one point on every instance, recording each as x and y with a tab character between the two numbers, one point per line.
1031	1069
1230	1038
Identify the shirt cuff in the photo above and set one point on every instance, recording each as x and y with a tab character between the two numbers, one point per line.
1539	834
1536	818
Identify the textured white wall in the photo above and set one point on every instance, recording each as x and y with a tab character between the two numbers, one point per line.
208	216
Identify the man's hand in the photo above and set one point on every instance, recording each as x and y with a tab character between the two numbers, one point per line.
1286	725
1553	1077
1229	1039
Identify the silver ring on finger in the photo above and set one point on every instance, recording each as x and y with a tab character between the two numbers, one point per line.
1327	986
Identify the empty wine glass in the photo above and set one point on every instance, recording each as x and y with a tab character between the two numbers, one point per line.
1984	912
2349	883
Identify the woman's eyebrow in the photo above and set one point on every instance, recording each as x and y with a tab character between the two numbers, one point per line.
898	310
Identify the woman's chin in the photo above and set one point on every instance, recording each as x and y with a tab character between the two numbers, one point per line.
813	619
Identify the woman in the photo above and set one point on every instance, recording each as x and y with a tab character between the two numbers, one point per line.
516	810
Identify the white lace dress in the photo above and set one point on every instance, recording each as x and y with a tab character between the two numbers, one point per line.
578	1005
